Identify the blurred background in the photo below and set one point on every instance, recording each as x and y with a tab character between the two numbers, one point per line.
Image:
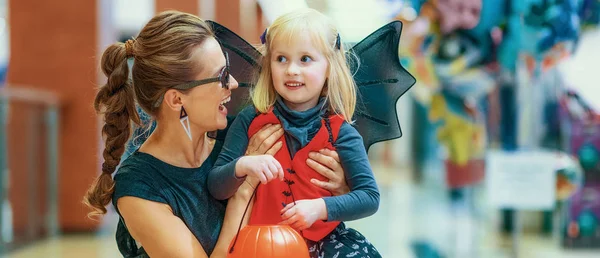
500	154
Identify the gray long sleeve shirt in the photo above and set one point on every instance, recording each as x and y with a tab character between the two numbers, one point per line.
300	128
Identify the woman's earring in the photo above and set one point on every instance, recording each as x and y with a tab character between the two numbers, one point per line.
185	122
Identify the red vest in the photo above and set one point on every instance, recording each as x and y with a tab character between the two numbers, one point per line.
275	195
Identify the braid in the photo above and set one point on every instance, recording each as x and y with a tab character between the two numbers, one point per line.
116	101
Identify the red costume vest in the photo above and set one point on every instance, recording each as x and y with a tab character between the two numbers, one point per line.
275	195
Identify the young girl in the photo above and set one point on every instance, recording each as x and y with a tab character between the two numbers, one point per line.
305	87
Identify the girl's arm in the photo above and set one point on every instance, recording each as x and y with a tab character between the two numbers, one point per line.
222	181
363	199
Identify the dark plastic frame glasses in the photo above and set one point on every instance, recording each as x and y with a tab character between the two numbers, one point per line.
223	78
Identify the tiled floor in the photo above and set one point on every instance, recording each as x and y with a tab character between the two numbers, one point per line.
407	213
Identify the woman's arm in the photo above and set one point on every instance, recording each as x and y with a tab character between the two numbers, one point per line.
160	232
236	205
261	143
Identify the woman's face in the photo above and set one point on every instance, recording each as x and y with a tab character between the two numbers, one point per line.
204	103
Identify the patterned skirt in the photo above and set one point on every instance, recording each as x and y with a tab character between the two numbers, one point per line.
342	242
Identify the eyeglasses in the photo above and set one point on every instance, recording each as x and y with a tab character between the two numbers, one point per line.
223	78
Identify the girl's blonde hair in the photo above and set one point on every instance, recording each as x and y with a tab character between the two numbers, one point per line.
340	88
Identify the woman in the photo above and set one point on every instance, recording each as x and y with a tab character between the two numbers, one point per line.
181	79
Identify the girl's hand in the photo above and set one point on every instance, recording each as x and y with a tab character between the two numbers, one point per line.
262	167
304	213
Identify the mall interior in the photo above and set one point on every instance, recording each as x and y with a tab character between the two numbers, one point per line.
500	148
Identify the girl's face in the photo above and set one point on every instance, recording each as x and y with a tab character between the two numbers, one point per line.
299	71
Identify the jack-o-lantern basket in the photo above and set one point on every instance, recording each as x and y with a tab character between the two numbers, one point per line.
266	241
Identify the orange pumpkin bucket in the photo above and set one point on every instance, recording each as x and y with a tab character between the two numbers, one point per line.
266	241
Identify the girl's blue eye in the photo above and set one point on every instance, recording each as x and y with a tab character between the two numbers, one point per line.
305	59
281	59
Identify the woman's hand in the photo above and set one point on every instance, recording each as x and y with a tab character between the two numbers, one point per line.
327	163
265	140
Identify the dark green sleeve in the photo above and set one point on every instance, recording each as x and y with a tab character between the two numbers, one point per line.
363	199
130	181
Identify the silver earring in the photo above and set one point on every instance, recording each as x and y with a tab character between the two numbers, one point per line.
185	122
